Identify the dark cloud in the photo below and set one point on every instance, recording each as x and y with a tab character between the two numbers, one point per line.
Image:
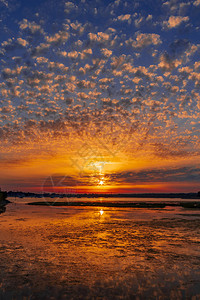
182	174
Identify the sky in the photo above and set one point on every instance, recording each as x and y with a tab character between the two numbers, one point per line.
100	96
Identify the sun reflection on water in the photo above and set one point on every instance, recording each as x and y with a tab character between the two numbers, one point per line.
101	212
126	253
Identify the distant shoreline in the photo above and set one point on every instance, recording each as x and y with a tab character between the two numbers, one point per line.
192	205
108	195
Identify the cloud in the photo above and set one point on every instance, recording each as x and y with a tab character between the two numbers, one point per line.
126	17
144	40
4	2
42	60
58	38
106	52
69	6
196	3
100	37
138	22
180	174
149	18
41	49
78	27
175	21
31	26
22	42
73	54
167	63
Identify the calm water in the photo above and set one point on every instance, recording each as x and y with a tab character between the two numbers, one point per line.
89	253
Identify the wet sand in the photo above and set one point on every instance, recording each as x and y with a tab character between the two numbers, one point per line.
99	253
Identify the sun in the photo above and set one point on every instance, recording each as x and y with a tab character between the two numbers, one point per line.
101	182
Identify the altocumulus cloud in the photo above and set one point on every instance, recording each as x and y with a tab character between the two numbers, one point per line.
98	68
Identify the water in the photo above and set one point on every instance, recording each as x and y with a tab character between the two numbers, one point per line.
93	253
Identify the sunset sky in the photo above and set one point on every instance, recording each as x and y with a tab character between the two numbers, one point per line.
100	96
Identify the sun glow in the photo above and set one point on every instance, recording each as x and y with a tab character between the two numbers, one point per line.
101	212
